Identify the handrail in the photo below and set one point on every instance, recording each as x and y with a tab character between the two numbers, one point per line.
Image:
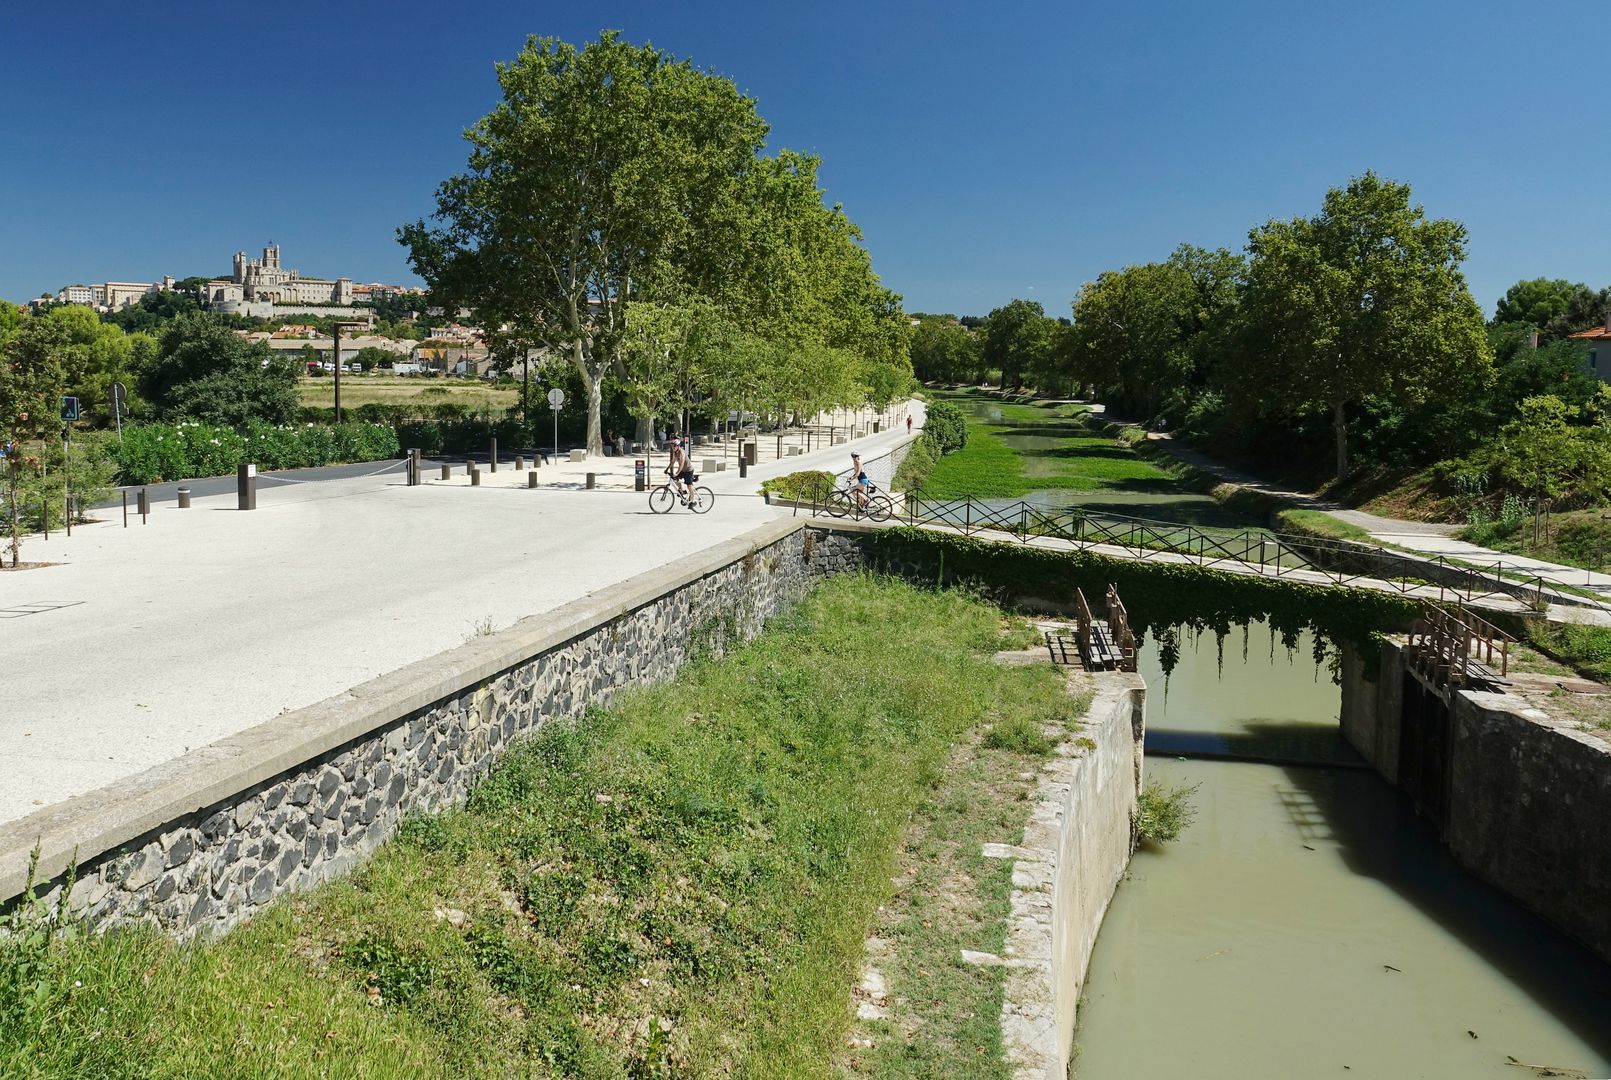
1457	648
1279	554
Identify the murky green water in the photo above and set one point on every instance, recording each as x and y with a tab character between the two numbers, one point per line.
1308	924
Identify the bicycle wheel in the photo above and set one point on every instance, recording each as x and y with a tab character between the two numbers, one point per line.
879	508
661	499
839	504
703	499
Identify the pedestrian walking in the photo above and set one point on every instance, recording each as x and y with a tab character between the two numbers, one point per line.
908	423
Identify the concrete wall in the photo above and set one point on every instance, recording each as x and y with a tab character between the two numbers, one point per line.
1526	799
201	842
1076	849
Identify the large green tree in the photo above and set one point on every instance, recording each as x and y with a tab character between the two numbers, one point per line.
31	384
205	371
944	350
1363	300
605	175
1017	337
1553	306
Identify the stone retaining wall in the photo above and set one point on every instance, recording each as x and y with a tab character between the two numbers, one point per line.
198	844
1075	850
1524	799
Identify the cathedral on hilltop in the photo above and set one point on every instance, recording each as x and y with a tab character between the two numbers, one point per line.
260	280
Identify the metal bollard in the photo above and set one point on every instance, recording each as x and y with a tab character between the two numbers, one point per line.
414	468
591	478
125	509
447	471
246	487
184	498
743	465
492	457
531	479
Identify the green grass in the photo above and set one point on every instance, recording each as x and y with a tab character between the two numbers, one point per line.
1318	523
1006	461
944	1015
1584	649
677	886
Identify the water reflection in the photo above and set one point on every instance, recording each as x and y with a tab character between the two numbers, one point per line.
1309	924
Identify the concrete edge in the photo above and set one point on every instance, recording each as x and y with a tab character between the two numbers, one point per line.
90	825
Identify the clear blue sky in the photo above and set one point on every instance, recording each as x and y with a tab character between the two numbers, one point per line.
988	151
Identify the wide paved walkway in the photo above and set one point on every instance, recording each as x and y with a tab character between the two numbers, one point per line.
149	641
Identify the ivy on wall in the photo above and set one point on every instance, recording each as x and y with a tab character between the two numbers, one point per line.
1162	599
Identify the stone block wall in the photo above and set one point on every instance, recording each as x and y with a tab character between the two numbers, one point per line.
1075	850
206	869
1527	798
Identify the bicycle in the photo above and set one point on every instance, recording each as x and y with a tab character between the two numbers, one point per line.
878	507
664	497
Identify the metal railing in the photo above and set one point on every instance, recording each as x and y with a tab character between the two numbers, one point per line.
1107	644
1339	562
1458	648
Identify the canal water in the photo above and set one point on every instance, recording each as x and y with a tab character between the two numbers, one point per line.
1308	924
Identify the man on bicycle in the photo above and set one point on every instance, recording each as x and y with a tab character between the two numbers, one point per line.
860	486
681	470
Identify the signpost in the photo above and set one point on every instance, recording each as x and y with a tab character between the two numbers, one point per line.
120	393
556	398
69	414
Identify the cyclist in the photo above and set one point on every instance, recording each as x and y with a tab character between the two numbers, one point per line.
860	486
681	470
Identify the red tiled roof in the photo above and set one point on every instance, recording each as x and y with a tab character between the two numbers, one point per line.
1599	333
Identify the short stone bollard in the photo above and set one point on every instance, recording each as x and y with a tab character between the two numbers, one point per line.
184	498
710	464
520	464
531	479
592	479
578	455
475	476
447	471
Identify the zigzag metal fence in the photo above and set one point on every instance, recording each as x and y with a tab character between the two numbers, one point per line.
1341	562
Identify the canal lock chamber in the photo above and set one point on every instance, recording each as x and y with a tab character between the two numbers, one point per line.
1312	921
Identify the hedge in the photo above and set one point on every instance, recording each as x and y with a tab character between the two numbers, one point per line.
154	453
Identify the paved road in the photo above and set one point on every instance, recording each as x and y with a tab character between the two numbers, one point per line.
150	640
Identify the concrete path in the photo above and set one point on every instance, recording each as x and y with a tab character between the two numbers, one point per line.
148	641
1449	547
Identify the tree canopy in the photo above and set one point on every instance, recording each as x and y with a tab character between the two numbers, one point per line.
205	371
1363	300
616	174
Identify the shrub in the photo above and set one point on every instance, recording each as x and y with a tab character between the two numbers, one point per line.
801	486
153	453
1162	814
945	429
915	468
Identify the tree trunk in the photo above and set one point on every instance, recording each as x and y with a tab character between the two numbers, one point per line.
592	373
1339	428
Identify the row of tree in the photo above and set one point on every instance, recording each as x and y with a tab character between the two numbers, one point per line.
1349	336
618	211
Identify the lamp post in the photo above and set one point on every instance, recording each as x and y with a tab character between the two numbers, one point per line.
336	329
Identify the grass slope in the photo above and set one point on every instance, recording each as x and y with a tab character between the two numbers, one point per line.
677	886
1003	460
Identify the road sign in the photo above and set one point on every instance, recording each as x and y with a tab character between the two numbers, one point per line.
69	408
119	394
556	398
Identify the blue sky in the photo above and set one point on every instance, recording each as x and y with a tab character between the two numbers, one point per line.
987	150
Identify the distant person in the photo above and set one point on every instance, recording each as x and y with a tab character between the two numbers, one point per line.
660	436
908	424
620	445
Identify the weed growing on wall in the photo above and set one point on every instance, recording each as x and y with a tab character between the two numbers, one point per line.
1163	813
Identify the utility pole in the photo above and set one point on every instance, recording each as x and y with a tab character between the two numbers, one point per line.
337	327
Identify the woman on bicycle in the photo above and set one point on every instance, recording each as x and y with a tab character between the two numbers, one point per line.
859	484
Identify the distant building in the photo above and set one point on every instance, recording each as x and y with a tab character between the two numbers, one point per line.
258	281
1599	342
78	294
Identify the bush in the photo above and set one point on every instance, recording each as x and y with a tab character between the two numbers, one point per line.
1162	814
945	429
914	468
801	486
91	470
154	453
